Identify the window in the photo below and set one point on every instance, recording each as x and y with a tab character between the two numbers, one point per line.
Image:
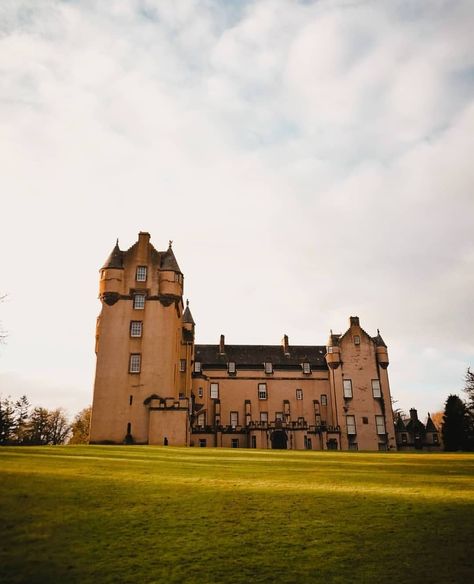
268	367
139	301
382	447
231	367
307	443
202	442
347	388
262	391
135	363
234	443
136	328
201	420
200	392
324	400
435	439
356	340
330	349
214	391
380	423
299	394
365	420
178	278
234	419
197	367
306	368
140	275
301	421
264	417
279	416
376	388
351	425
353	446
182	365
129	428
130	401
254	442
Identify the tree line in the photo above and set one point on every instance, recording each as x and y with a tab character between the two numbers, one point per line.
457	427
24	425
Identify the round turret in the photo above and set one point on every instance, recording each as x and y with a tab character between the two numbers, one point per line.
333	354
170	276
111	276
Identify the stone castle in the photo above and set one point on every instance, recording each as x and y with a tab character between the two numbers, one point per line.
155	385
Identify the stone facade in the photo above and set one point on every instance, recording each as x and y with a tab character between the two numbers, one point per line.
154	385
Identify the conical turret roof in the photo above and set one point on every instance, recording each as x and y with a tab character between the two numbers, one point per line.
168	261
430	427
187	316
115	259
379	342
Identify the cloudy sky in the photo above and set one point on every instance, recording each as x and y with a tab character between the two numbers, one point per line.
310	161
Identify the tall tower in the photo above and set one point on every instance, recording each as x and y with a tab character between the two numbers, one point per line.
139	348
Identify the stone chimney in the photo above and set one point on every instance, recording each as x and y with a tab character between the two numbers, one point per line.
413	415
354	321
284	344
222	345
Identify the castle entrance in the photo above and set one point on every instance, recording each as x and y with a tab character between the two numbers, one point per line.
279	440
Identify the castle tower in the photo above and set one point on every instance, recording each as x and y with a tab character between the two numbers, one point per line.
139	346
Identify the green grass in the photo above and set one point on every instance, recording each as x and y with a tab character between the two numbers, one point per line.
148	514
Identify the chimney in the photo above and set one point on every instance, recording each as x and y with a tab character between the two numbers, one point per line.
284	344
143	240
413	415
222	345
354	321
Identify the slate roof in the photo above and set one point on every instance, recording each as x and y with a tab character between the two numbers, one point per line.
187	316
115	259
168	261
253	356
430	427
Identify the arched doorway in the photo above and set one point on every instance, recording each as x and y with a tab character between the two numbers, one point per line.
279	440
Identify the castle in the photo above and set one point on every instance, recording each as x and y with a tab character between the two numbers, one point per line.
154	385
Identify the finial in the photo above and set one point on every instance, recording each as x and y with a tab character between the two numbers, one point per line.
330	330
116	243
378	331
170	243
187	302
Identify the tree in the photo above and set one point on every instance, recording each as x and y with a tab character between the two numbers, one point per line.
7	420
80	427
469	388
22	411
47	427
59	426
456	425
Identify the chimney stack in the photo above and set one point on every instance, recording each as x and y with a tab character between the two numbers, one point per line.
414	415
354	321
284	344
222	345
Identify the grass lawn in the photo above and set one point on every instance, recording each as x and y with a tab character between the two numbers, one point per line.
152	514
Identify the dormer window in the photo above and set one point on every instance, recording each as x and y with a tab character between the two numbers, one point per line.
306	368
197	367
140	275
268	366
231	367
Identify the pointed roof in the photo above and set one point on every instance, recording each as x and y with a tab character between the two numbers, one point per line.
168	261
379	342
430	427
187	316
115	259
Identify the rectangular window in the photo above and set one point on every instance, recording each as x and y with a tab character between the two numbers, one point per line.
135	363
351	425
306	368
140	275
376	388
301	421
264	417
136	328
353	446
254	442
380	424
235	443
130	401
200	392
139	301
382	447
365	420
197	367
182	365
309	444
299	394
347	388
262	391
330	349
202	442
214	391
268	367
201	420
356	340
279	416
231	367
234	419
324	400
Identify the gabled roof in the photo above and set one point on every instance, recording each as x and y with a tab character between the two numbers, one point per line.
115	259
256	355
168	261
430	427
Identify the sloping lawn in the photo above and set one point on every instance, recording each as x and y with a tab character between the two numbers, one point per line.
153	514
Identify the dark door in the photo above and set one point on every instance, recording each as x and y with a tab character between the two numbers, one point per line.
279	440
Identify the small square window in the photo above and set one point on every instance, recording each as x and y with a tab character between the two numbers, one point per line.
214	391
139	301
365	420
231	367
330	349
306	368
262	391
234	419
182	365
279	416
299	394
264	417
300	421
376	392
197	367
200	392
136	328
351	425
356	340
140	275
324	400
268	367
347	389
234	443
135	363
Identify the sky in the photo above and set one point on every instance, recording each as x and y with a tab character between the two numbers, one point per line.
309	160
